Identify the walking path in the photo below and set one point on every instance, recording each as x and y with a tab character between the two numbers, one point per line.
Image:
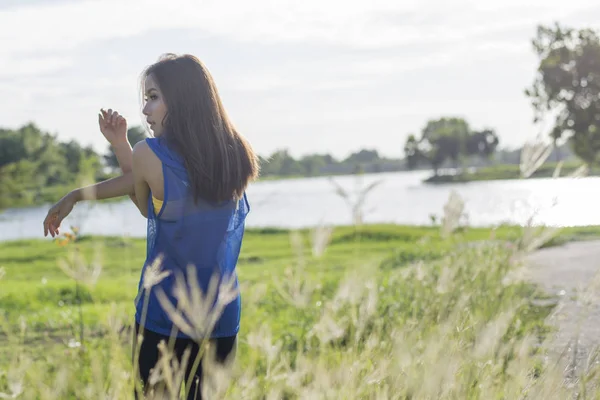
572	273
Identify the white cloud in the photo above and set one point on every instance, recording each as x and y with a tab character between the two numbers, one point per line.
40	38
12	67
61	27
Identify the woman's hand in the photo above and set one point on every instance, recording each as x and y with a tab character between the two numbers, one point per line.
113	126
58	212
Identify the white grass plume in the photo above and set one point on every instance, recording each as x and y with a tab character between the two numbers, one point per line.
533	156
454	213
197	312
356	200
77	268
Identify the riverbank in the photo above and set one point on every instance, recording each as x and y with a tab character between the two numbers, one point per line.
505	172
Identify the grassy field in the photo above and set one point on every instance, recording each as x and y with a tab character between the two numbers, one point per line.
379	312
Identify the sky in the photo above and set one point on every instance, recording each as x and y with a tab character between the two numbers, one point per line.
310	76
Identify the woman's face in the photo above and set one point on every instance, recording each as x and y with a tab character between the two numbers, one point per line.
155	109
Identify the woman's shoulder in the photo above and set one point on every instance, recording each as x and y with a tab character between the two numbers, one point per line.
144	155
143	149
164	152
148	165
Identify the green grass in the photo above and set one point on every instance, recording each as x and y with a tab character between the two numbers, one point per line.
499	172
366	299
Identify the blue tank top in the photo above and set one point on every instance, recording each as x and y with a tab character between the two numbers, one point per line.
203	234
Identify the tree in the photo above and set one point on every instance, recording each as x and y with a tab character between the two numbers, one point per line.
33	163
567	87
134	134
362	157
313	163
448	138
449	135
482	143
281	163
12	147
412	152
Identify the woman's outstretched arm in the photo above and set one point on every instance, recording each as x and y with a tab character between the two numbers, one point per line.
114	187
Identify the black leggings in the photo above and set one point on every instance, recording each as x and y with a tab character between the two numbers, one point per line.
149	355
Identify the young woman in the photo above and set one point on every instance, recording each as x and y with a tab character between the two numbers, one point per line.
189	181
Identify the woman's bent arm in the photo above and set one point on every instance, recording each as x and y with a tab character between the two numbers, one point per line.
124	156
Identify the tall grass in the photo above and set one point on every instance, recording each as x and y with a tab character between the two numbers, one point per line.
461	326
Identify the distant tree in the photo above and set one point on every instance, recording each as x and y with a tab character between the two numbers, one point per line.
448	139
12	146
281	163
312	164
482	143
449	135
567	86
262	162
73	154
290	166
446	126
32	162
134	134
362	157
412	152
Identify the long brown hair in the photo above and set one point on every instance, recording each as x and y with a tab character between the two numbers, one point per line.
219	160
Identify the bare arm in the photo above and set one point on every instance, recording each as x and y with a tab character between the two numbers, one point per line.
115	187
123	153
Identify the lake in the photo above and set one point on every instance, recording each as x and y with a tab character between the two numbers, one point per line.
400	197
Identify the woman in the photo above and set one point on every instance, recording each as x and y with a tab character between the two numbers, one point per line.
189	180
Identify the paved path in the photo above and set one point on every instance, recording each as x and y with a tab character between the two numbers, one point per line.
572	273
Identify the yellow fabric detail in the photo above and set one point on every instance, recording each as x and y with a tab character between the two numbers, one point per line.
157	204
